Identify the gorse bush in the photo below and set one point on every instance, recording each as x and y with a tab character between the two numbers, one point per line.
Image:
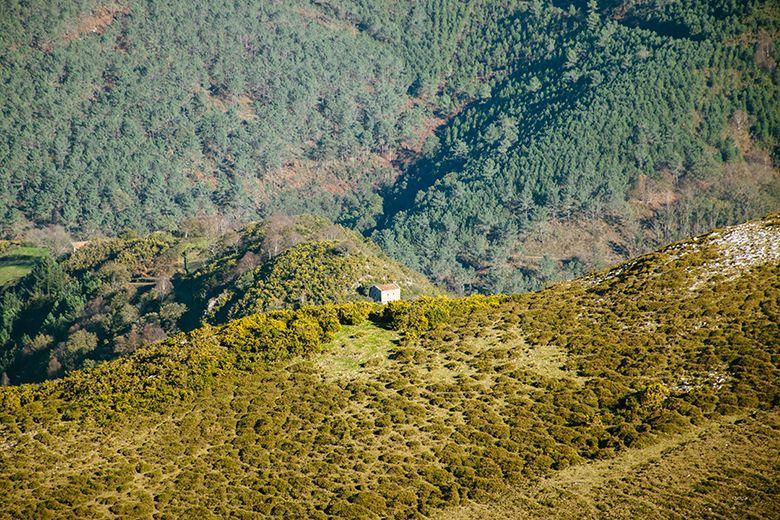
415	318
354	313
183	364
404	409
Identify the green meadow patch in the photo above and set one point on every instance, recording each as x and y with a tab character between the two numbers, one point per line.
17	261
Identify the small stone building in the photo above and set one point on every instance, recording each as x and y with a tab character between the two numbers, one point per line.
384	293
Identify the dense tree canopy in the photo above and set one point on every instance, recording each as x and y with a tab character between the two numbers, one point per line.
468	136
594	114
135	113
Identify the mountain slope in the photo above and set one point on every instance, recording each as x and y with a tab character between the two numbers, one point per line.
424	406
112	296
598	136
288	262
718	468
286	106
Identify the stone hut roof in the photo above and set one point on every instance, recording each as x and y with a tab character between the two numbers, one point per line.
387	286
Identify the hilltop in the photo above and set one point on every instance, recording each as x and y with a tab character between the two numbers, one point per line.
113	295
289	262
643	390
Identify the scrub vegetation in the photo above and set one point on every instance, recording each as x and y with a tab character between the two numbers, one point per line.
360	410
112	296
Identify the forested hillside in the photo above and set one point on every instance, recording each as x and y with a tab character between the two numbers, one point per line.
134	113
110	297
649	390
491	145
600	132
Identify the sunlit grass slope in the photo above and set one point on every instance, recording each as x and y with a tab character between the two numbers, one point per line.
16	261
655	384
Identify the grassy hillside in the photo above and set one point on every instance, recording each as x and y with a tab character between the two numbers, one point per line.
112	296
16	260
415	408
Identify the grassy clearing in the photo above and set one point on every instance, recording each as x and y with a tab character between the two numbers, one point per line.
356	350
17	262
548	361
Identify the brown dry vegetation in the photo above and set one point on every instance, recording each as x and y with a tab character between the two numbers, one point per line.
242	102
586	239
96	20
333	176
323	20
599	241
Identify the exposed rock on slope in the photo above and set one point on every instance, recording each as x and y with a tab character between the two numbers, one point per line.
726	252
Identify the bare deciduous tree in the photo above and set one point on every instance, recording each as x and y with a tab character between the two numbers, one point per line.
54	238
279	235
163	286
247	262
